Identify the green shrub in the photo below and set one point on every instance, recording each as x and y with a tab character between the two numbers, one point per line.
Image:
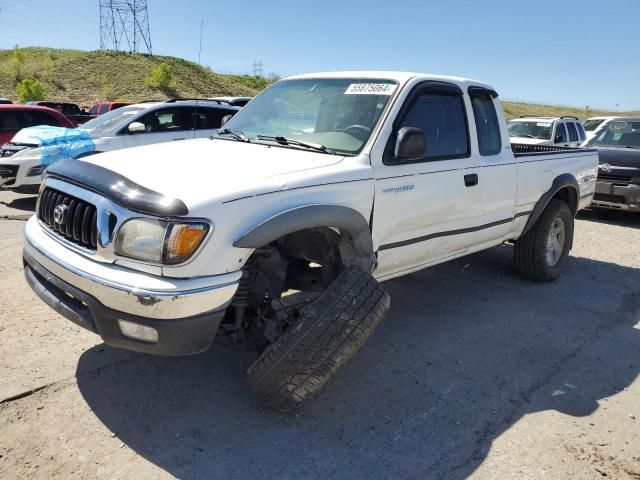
29	90
161	77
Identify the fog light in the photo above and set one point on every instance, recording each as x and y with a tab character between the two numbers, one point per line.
137	331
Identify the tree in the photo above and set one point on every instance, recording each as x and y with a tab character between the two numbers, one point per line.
17	61
29	90
161	77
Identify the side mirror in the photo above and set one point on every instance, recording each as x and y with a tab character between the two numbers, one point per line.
411	144
136	127
225	119
559	139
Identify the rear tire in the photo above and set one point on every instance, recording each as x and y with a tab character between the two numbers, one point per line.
541	253
327	333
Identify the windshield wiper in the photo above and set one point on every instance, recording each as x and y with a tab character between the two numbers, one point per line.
294	143
237	135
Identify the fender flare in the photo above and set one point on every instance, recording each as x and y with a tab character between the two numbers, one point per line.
311	216
566	180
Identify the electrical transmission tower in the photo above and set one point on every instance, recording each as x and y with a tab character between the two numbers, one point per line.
124	25
257	68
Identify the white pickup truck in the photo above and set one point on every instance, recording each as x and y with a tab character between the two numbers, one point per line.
273	235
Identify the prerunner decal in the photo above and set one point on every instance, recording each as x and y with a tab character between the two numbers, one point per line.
370	89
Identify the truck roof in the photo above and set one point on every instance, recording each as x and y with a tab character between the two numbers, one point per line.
400	77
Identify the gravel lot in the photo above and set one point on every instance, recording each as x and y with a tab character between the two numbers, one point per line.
475	372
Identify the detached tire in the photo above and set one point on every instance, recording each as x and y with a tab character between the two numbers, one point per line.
541	253
328	332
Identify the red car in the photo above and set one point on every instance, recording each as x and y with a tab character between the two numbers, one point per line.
16	117
104	107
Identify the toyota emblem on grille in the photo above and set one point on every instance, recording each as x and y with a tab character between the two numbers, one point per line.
605	167
59	213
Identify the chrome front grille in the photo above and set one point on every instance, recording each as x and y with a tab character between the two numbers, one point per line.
70	217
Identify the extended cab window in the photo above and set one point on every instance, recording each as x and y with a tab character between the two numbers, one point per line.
487	126
573	133
561	133
442	118
104	108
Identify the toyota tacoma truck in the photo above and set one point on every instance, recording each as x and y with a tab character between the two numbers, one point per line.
277	233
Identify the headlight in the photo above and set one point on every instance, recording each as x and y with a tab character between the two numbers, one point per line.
157	241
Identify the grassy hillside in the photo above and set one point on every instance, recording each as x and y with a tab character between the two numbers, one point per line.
86	77
514	110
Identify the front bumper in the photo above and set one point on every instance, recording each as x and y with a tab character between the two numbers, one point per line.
617	196
21	178
185	313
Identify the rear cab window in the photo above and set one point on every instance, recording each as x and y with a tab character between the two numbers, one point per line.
486	120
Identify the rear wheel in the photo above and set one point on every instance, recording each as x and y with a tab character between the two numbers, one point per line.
325	335
541	253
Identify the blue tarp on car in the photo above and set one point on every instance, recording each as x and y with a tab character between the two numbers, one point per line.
57	143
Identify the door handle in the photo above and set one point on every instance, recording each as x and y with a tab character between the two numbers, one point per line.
471	180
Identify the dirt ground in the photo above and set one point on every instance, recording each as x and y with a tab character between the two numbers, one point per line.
474	373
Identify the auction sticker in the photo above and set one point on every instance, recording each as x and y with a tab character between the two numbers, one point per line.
370	89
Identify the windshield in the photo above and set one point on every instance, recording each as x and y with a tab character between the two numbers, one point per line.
591	125
112	119
537	130
624	134
339	114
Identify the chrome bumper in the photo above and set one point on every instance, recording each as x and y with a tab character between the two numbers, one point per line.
129	291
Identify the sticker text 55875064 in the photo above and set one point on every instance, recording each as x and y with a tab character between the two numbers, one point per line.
370	89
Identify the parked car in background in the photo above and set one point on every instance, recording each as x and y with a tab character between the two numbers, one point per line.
233	101
562	131
5	101
69	110
15	117
618	145
104	107
163	248
595	124
130	126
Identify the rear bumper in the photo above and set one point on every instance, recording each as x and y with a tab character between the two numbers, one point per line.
617	197
185	318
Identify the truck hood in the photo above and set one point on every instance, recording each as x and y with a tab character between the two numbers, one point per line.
201	170
619	157
529	141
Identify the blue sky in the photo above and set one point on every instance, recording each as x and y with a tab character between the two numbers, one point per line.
570	52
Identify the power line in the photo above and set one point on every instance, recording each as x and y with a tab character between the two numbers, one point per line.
257	68
124	25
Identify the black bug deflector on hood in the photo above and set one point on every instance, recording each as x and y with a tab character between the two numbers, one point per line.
117	188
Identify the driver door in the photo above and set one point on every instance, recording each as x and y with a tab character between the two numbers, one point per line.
426	210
